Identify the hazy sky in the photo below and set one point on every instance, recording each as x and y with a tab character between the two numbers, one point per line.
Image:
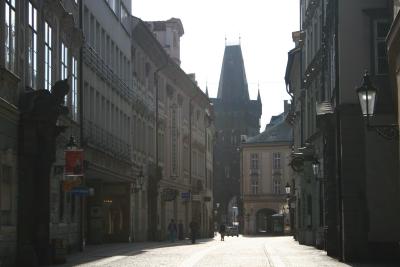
264	27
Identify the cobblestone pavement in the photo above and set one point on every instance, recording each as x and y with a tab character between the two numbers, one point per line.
234	251
285	252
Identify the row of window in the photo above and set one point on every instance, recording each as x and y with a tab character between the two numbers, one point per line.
277	188
68	64
100	110
254	161
120	11
105	47
380	28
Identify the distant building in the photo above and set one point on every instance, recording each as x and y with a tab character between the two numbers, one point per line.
235	115
168	33
183	188
265	172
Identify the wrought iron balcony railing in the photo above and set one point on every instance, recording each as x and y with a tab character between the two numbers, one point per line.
105	141
97	64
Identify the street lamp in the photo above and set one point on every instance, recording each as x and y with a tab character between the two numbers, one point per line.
287	188
71	145
315	166
367	97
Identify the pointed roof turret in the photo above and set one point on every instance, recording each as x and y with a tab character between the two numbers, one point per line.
233	83
207	90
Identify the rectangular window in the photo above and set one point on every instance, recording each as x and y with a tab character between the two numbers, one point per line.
74	89
47	56
32	46
64	64
276	186
174	143
276	160
254	187
124	16
9	31
254	161
381	29
185	158
161	147
113	5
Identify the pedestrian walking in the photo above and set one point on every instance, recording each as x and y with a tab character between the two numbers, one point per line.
222	229
193	231
172	230
180	230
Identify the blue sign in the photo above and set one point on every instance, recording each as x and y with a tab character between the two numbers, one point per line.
80	191
185	195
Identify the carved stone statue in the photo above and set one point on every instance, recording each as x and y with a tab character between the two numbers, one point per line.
38	130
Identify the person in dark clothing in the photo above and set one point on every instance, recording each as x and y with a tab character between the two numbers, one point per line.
172	230
222	229
193	231
180	230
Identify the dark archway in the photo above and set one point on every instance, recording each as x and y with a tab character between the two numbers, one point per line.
265	221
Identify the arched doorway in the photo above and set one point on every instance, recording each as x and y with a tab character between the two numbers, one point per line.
265	221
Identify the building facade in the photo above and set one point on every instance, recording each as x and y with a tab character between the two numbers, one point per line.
182	190
107	94
34	36
344	211
235	115
131	89
264	175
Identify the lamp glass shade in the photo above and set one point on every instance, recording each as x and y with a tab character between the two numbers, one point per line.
366	95
367	101
315	168
287	188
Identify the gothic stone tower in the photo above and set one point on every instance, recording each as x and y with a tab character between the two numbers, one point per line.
235	115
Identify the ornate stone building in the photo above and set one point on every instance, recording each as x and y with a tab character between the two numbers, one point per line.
35	36
235	115
265	173
182	190
340	208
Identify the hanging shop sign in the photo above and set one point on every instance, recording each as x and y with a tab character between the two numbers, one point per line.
73	162
185	196
71	182
80	191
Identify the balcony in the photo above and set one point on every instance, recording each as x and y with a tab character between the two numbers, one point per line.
97	64
101	139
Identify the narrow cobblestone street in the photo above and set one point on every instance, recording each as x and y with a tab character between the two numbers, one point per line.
242	251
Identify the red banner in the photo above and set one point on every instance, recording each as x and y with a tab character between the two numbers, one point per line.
73	162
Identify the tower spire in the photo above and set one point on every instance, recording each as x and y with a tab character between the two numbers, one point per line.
233	82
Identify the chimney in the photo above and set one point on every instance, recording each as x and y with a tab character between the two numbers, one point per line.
192	76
